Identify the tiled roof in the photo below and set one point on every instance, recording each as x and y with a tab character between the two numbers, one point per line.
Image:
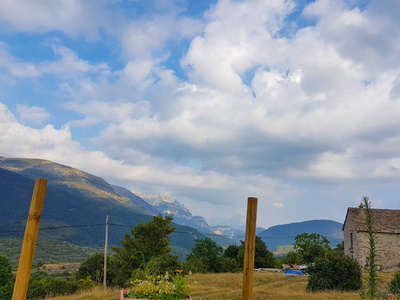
384	220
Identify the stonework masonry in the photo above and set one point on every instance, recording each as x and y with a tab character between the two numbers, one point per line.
387	238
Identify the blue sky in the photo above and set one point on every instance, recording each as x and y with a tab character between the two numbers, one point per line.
294	102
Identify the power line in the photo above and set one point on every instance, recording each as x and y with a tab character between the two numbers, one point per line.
54	228
181	232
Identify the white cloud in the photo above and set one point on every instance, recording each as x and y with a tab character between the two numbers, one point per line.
72	17
317	106
32	114
68	65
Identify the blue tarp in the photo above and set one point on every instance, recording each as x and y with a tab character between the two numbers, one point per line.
293	272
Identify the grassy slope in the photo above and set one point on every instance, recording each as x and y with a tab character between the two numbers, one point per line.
228	287
47	250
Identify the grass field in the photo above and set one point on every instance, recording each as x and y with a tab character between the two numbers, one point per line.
228	287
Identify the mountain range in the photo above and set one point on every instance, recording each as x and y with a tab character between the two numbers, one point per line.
79	203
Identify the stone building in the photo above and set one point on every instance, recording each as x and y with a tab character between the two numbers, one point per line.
387	230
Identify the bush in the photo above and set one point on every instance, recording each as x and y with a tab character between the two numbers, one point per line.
39	289
163	264
394	285
6	278
209	252
229	265
335	272
195	266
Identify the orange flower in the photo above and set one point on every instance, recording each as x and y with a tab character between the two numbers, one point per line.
179	271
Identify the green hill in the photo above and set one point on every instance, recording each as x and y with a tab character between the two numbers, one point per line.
76	201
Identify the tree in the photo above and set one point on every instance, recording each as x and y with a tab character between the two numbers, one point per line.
145	241
263	258
6	278
93	267
339	248
232	251
335	271
293	257
311	246
209	252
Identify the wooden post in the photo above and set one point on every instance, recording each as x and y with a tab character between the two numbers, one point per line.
105	256
249	249
28	246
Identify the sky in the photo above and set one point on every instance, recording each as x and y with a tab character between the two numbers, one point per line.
294	102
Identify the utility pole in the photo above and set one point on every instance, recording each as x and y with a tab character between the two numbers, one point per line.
105	256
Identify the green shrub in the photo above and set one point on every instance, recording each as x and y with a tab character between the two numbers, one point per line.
6	278
229	265
394	285
39	289
162	264
335	272
195	266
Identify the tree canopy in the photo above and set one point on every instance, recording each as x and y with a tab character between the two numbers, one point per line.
6	278
311	246
144	242
263	258
209	253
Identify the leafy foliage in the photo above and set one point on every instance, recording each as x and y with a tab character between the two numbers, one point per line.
311	246
209	253
339	248
293	257
160	287
335	272
93	268
372	279
6	278
48	286
229	265
232	251
159	265
141	245
263	258
394	285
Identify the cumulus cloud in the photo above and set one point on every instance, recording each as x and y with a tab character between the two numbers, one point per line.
67	65
250	110
32	114
71	17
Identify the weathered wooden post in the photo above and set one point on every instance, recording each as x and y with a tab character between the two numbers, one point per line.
28	246
249	249
105	255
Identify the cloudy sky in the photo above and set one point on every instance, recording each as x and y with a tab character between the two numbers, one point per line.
295	102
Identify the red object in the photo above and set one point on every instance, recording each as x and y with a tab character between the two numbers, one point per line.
123	292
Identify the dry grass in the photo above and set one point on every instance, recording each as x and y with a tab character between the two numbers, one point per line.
98	293
228	287
266	286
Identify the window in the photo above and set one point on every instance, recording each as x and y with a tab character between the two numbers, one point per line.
351	241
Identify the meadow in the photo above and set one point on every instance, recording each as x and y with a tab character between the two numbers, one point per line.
227	286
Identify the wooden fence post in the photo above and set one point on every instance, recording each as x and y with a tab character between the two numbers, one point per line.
249	249
28	246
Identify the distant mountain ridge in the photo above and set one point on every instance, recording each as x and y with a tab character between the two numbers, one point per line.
75	197
181	214
281	235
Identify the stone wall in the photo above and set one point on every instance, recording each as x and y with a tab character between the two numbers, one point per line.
349	233
388	249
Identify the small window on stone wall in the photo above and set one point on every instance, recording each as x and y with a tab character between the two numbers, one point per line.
351	240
